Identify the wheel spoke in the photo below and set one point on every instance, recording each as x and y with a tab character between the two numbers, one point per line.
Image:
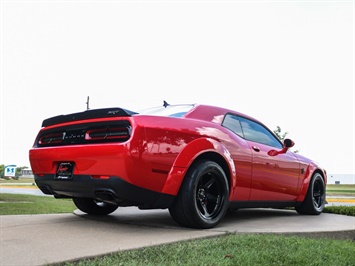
209	183
204	208
208	197
217	204
317	197
315	202
212	198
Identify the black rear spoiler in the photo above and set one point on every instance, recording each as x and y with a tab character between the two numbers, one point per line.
88	114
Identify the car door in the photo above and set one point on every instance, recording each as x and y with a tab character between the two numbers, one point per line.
274	177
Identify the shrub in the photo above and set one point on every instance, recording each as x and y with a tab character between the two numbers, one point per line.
344	210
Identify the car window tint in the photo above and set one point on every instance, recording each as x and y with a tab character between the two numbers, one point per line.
232	122
255	132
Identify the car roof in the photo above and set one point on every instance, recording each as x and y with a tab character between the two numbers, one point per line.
209	113
213	113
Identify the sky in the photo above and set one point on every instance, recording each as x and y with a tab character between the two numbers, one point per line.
286	63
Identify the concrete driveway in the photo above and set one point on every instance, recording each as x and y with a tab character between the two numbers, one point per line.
45	239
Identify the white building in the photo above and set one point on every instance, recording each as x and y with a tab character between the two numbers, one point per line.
342	179
26	173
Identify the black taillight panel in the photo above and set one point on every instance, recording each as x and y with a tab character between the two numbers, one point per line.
109	133
99	132
51	138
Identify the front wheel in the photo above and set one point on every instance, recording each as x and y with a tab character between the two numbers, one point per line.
202	201
91	206
315	199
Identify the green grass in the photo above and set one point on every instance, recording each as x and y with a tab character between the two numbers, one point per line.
11	204
19	180
340	187
237	249
343	210
346	190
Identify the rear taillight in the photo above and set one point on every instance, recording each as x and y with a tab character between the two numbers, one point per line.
102	132
51	138
108	133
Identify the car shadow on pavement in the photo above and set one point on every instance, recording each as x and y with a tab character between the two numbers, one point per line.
162	218
134	216
268	220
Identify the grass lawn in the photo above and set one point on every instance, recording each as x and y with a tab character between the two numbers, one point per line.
237	249
345	190
28	204
20	180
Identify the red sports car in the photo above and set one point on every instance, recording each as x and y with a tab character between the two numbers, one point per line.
196	160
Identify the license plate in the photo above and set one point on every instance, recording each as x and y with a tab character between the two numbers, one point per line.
64	171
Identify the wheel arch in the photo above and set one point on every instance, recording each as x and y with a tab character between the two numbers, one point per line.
199	149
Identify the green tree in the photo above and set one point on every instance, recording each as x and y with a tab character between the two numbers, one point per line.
2	170
282	135
19	170
279	134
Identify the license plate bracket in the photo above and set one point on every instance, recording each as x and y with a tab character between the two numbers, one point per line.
64	171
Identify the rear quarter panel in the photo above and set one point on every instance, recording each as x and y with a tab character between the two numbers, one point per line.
171	145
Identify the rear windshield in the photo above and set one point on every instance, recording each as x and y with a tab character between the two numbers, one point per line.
170	110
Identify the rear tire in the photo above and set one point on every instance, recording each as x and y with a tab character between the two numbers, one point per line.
314	202
91	206
202	201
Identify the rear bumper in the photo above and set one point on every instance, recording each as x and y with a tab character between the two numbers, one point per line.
112	190
122	160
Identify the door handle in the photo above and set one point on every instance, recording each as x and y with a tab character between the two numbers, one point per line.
255	148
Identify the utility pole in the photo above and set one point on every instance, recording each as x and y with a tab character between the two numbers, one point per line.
87	103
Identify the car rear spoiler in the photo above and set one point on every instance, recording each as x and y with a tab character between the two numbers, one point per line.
88	114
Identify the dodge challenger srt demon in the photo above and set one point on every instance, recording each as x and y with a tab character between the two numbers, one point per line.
198	161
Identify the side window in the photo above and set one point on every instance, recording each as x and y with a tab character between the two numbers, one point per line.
258	133
232	123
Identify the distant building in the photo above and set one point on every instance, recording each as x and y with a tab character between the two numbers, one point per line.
341	179
26	173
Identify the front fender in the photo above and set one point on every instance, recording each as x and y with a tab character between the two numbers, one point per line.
311	169
188	155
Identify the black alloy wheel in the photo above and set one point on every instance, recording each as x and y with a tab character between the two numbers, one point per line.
203	197
314	201
209	196
318	194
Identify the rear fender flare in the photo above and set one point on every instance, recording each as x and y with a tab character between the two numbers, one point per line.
188	155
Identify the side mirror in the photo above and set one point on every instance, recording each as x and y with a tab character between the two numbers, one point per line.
288	143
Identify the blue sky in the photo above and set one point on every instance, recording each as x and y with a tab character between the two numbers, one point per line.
286	63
